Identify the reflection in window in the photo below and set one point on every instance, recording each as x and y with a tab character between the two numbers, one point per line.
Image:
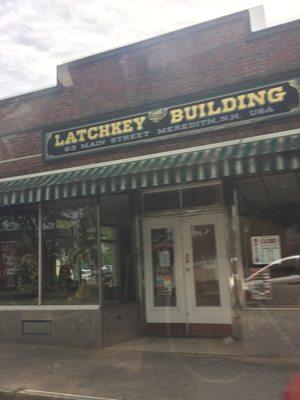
205	265
19	255
70	262
70	253
109	257
162	242
117	259
275	286
271	231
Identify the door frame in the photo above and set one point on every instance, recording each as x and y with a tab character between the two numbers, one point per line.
205	314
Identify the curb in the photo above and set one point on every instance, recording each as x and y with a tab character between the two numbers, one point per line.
258	359
27	394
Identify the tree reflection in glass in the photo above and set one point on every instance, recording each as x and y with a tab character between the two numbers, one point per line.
19	256
70	272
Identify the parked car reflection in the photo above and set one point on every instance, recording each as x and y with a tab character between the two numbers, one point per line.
276	285
107	277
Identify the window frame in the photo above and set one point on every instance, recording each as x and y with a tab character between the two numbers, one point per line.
180	188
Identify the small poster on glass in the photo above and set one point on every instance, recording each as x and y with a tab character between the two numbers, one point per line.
265	249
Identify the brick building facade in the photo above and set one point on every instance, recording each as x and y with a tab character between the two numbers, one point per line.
212	60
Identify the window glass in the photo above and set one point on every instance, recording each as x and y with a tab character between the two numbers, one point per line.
271	231
108	233
163	268
109	257
70	262
19	256
191	197
117	258
201	196
205	265
161	200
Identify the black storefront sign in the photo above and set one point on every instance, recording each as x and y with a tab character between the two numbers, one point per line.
165	122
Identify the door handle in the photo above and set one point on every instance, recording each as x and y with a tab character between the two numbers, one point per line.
187	258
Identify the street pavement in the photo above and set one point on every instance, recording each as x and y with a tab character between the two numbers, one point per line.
141	375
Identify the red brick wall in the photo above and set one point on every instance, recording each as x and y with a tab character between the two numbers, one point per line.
198	61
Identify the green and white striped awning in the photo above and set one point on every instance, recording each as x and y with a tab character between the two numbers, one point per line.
252	157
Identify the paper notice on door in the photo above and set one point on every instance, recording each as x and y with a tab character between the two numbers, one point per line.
164	258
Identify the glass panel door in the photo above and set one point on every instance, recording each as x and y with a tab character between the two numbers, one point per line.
205	265
164	275
206	269
186	270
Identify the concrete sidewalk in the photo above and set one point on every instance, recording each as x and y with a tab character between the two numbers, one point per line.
141	373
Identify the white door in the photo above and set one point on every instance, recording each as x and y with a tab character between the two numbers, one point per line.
207	275
164	275
186	270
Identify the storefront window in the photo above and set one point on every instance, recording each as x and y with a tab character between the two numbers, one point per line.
70	262
117	259
71	258
19	256
270	229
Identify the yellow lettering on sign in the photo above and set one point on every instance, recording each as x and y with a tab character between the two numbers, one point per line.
92	133
211	110
241	99
229	104
190	112
81	135
103	130
58	141
139	122
255	99
276	94
116	128
71	138
176	115
202	112
127	127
